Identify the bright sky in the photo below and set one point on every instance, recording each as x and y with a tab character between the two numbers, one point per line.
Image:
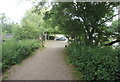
14	9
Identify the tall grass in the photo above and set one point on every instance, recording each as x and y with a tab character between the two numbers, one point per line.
14	52
95	63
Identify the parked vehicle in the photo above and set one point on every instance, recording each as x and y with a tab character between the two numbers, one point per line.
61	38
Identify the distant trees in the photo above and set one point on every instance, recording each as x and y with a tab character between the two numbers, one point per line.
30	28
32	25
5	24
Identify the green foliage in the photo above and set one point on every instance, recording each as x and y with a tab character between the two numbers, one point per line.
31	26
96	63
84	21
7	28
51	37
115	28
14	52
25	33
6	24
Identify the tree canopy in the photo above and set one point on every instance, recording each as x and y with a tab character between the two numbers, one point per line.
83	21
32	25
5	24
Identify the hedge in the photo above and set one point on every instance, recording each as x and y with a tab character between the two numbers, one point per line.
14	52
95	63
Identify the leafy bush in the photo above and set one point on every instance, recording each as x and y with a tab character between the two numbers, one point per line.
96	63
14	52
51	37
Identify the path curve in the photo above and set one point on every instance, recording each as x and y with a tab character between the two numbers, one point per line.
47	64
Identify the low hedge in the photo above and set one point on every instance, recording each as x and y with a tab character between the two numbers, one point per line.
14	52
95	63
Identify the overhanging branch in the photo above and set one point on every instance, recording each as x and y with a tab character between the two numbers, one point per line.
108	19
111	43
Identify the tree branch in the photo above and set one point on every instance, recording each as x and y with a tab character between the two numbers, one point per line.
108	19
111	43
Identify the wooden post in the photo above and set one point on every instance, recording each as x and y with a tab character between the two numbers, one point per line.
42	40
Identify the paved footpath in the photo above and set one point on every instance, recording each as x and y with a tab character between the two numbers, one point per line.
47	64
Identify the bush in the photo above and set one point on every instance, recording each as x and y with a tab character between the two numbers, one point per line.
14	52
95	63
51	37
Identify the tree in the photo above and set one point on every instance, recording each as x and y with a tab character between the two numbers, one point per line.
84	21
31	26
5	24
115	29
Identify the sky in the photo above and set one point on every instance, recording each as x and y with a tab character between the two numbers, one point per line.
14	9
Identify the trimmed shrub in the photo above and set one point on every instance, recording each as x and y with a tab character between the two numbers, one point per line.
95	63
14	52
